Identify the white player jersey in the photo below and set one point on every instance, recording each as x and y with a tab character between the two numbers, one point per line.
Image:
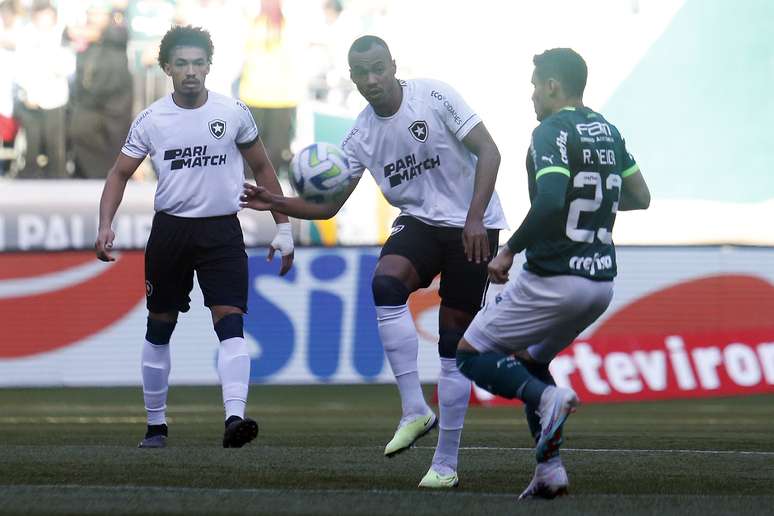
194	153
417	156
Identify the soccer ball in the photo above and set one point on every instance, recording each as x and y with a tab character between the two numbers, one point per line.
320	172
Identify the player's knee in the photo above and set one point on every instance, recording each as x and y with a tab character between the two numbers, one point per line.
447	343
230	326
159	332
389	291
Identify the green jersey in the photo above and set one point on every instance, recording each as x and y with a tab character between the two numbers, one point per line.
582	145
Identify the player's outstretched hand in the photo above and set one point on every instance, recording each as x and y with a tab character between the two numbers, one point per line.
476	241
283	242
104	244
498	268
255	197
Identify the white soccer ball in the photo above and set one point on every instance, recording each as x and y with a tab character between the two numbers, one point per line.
320	172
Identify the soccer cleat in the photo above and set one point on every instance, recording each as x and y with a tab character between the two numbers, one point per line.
434	480
408	433
550	481
154	441
556	404
155	437
239	432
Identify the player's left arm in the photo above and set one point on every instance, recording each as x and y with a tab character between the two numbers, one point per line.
265	176
474	235
264	173
635	194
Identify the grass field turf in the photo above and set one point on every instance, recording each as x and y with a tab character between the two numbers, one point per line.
319	451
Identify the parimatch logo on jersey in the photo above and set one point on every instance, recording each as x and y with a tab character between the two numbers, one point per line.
407	168
190	157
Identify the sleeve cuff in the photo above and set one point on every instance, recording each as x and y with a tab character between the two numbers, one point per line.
631	170
551	170
132	154
472	121
247	144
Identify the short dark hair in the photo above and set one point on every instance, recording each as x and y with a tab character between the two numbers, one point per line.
185	36
566	66
364	43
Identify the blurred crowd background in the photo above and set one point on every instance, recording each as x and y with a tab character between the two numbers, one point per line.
76	72
686	81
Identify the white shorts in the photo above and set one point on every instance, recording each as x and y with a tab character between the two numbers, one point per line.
542	314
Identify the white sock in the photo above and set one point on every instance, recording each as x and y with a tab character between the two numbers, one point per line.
234	373
453	397
155	381
399	339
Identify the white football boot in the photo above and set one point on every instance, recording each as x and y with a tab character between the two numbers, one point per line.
550	481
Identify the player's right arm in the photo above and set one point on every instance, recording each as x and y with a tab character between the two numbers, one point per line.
550	192
547	204
112	193
258	198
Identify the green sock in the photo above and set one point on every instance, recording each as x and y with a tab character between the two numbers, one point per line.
541	372
503	375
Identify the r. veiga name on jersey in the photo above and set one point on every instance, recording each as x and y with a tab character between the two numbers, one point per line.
190	157
407	168
591	264
604	157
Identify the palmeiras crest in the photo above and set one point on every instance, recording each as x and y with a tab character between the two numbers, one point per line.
217	128
419	130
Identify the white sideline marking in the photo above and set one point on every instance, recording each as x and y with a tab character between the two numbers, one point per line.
253	490
141	420
613	450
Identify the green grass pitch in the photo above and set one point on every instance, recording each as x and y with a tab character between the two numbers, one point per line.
319	451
